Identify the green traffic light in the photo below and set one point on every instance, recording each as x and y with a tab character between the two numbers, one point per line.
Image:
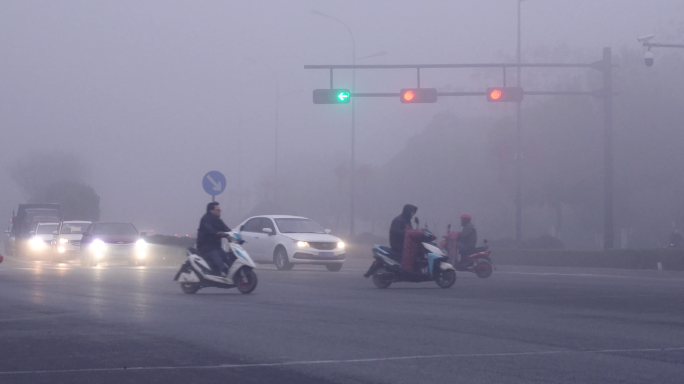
343	96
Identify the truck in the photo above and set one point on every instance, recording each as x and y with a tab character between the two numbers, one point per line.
24	222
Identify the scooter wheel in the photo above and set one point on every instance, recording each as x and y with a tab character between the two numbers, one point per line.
246	280
189	288
445	279
381	279
483	270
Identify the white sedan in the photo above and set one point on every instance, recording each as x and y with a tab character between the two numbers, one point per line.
289	240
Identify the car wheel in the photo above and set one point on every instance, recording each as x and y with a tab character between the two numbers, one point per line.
281	261
334	267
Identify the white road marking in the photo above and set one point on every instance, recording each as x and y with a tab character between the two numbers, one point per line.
346	361
565	274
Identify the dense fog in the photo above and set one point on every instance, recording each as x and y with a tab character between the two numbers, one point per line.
132	102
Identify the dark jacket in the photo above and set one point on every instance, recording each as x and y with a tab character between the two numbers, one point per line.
398	228
208	238
467	239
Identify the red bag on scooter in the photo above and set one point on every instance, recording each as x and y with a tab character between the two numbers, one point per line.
412	249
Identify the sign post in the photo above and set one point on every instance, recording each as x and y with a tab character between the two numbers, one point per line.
214	183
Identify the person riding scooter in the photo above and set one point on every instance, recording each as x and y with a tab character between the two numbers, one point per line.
397	233
467	239
209	234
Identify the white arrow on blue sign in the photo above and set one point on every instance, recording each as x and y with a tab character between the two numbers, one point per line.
214	183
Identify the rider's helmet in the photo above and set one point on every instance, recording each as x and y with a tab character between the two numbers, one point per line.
465	217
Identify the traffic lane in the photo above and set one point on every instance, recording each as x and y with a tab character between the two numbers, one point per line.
383	321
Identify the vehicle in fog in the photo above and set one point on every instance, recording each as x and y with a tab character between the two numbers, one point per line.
479	261
196	273
432	264
111	242
66	241
289	240
39	244
25	221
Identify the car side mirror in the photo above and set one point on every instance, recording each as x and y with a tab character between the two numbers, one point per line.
328	231
55	233
267	230
7	232
32	233
143	234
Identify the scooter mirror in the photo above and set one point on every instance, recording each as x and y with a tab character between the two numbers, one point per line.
416	220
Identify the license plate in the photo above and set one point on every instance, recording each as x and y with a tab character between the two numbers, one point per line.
326	254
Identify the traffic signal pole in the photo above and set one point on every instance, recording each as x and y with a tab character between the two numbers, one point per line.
606	93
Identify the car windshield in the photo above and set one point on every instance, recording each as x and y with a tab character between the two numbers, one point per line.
73	228
46	229
298	226
115	229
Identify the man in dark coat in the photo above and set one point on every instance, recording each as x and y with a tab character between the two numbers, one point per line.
398	228
467	239
209	234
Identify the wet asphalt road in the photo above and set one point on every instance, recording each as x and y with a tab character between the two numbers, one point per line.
118	324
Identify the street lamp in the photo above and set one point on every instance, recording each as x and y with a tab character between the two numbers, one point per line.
518	150
352	188
277	114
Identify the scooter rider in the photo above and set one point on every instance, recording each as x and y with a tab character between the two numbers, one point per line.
399	226
397	233
467	239
209	234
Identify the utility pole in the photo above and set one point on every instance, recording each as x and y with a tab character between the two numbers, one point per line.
518	149
608	235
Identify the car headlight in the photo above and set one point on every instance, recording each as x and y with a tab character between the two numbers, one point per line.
61	250
37	243
141	243
63	241
99	245
340	245
302	244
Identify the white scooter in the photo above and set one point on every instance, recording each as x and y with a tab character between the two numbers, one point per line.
196	273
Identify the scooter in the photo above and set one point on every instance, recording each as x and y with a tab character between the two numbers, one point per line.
433	264
196	273
479	263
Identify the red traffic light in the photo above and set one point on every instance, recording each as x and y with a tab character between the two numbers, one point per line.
505	94
418	95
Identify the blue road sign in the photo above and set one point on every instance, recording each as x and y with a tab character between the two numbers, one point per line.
214	183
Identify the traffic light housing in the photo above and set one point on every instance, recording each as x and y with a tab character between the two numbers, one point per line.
418	95
331	96
505	94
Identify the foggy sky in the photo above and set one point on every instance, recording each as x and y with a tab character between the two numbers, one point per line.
153	94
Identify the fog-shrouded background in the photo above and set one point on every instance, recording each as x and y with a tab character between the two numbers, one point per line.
150	95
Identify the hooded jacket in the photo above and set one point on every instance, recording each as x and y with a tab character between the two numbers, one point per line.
399	226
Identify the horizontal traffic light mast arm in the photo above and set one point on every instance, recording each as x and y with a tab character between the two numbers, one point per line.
527	93
595	65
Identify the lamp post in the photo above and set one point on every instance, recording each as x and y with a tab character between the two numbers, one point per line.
352	188
518	148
